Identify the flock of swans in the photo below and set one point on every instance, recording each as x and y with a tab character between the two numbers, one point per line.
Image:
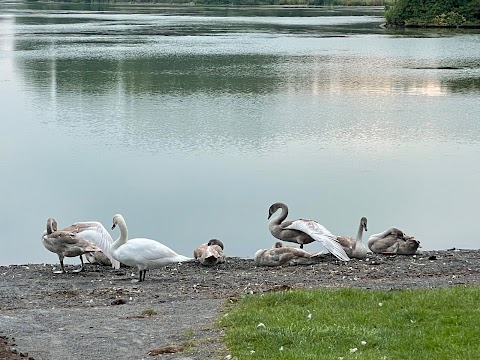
95	242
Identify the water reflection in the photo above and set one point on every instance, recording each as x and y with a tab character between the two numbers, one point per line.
201	76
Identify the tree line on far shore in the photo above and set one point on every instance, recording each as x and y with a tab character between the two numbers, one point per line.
408	13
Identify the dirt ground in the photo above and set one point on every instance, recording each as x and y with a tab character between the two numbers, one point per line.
101	314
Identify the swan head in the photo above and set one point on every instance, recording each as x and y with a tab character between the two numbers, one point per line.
274	207
412	243
51	225
277	245
363	222
117	219
215	242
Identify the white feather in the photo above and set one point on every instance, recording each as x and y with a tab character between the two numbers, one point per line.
318	232
96	233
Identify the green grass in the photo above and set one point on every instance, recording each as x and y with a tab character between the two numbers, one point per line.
408	324
149	312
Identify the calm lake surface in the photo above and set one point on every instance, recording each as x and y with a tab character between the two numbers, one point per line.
192	121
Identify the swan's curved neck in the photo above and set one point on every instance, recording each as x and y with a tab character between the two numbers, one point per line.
123	235
283	215
360	232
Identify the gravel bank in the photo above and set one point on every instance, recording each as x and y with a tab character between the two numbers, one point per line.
101	314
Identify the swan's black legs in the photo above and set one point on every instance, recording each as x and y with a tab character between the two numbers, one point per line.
81	268
141	275
61	266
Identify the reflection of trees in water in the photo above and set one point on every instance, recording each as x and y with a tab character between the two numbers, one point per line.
232	74
464	85
247	102
163	75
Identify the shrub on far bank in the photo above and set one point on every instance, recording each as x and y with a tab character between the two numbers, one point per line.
446	13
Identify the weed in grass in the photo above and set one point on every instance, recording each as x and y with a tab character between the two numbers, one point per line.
149	312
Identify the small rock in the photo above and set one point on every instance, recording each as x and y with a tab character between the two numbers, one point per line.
118	302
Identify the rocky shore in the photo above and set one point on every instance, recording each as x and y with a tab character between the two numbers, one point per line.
101	314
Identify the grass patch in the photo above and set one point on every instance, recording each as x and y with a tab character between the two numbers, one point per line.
149	312
356	324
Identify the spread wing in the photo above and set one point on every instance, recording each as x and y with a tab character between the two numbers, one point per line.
96	233
318	232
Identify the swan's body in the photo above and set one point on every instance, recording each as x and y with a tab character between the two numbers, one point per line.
64	244
145	254
354	247
76	240
98	258
280	255
393	241
210	254
303	231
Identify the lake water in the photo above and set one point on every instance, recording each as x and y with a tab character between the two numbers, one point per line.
192	121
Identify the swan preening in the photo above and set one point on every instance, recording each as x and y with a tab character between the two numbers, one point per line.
144	254
210	254
283	255
76	240
393	241
303	231
354	247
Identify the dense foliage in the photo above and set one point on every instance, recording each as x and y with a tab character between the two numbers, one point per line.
444	13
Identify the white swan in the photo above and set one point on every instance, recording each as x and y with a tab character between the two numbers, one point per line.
354	247
210	254
303	231
283	255
393	241
145	254
76	240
